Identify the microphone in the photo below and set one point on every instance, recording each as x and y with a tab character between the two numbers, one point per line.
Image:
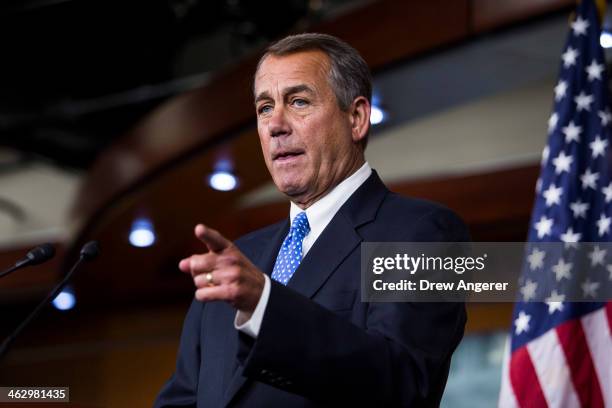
88	252
38	255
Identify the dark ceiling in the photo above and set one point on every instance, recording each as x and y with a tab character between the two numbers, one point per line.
76	74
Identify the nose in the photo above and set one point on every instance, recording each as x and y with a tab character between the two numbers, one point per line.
278	124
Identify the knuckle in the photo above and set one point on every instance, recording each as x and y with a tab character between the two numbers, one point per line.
229	260
196	262
234	272
201	262
232	291
198	281
200	295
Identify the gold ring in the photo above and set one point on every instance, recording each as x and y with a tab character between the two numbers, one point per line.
209	279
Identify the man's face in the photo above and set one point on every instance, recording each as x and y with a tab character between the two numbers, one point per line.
306	139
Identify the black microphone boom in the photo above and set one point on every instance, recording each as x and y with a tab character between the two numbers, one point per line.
89	251
38	255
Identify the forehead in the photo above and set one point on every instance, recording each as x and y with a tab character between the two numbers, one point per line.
305	67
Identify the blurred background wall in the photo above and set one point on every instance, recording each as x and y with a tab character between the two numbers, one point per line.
129	122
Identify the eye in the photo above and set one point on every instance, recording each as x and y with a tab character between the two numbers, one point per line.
263	109
299	102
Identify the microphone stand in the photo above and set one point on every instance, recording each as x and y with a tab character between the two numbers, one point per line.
10	270
7	342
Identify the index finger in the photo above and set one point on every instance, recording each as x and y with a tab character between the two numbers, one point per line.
213	240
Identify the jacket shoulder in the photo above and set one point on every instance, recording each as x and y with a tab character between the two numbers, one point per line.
414	219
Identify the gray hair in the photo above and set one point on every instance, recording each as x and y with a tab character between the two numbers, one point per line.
349	75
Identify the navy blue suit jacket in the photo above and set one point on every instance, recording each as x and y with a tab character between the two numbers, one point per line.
319	345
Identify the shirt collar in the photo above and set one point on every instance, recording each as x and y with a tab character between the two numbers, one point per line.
322	211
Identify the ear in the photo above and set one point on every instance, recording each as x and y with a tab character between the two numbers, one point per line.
359	112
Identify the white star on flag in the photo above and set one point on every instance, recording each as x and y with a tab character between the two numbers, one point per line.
607	192
589	179
570	237
579	26
569	210
560	90
597	256
590	288
552	195
571	132
605	117
579	208
583	101
522	322
543	226
598	146
529	290
555	302
536	259
562	270
603	224
594	70
552	122
562	162
569	57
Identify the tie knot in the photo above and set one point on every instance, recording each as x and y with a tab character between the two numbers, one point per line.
300	224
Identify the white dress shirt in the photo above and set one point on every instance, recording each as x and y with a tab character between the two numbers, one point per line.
319	215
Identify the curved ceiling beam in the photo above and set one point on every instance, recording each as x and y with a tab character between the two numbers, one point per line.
199	118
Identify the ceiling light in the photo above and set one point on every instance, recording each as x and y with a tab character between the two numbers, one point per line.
142	234
605	39
377	115
223	181
65	300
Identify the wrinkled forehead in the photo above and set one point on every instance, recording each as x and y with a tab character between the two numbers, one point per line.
304	67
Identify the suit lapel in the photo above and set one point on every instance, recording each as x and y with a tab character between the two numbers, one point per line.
267	258
323	258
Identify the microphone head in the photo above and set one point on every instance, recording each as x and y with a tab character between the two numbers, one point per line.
40	254
90	250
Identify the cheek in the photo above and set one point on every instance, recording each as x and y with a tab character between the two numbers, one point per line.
264	141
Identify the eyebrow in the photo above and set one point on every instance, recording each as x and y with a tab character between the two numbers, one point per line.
287	91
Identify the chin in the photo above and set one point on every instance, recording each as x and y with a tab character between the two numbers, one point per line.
290	189
288	182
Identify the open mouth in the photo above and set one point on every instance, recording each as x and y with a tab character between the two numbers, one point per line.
286	155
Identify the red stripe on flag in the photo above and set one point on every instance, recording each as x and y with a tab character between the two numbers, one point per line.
580	362
525	381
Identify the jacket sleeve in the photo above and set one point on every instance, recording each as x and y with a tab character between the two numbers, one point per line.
401	358
181	389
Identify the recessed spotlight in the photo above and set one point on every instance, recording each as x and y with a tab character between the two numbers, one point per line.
65	300
222	181
142	234
605	39
377	115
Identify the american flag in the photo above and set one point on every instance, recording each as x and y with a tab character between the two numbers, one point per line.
560	353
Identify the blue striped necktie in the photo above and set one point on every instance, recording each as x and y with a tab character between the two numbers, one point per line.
290	254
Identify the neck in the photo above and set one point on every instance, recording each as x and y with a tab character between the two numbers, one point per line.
306	201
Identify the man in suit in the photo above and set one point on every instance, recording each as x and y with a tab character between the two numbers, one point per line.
277	319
